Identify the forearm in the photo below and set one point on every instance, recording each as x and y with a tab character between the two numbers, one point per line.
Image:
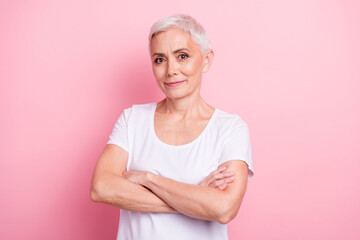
120	192
195	201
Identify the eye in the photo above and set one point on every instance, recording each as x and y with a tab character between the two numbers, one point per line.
183	56
159	60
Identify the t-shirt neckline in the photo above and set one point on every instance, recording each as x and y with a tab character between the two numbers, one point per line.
152	127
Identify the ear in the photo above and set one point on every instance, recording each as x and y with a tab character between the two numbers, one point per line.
208	58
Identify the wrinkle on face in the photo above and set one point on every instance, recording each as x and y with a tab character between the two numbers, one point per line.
167	46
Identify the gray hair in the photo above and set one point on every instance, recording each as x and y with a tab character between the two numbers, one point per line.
185	23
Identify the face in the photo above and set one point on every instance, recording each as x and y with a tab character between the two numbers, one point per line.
177	63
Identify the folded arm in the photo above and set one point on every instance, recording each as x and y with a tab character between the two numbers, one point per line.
108	186
199	201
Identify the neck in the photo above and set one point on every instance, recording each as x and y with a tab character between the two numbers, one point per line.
189	107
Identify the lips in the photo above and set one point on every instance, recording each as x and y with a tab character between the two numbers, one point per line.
174	84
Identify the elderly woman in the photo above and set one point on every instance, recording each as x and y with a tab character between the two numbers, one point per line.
177	168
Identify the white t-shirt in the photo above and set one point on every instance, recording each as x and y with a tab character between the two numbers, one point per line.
226	137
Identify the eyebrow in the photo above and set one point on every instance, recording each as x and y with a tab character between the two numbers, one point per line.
176	51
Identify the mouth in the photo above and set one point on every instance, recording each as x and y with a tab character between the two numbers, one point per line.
174	84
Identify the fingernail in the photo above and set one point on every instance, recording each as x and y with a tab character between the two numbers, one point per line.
223	168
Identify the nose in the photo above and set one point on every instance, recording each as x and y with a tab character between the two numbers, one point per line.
172	68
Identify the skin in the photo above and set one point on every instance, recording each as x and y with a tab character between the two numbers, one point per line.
179	118
183	114
175	57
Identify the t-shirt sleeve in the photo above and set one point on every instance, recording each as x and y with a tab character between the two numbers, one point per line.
237	145
119	134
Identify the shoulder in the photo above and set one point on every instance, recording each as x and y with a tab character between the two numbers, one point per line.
139	107
139	112
143	106
229	121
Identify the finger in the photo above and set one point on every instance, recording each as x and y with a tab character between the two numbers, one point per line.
213	181
217	171
212	176
229	179
228	174
215	175
222	186
217	183
222	175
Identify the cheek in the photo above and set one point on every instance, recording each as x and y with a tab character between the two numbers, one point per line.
193	68
158	72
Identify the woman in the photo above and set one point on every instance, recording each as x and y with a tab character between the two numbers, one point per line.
177	169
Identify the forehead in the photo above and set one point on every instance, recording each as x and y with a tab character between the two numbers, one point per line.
173	39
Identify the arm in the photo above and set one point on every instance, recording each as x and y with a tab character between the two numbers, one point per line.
111	187
108	186
199	201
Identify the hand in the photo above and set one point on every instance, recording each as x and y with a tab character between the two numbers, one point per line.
137	177
218	179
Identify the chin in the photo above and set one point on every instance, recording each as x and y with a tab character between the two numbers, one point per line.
174	96
177	95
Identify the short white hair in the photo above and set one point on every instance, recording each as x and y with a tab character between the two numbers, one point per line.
187	24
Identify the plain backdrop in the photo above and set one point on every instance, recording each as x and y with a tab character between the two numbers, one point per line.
290	69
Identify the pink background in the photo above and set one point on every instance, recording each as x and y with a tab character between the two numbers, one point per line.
291	69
